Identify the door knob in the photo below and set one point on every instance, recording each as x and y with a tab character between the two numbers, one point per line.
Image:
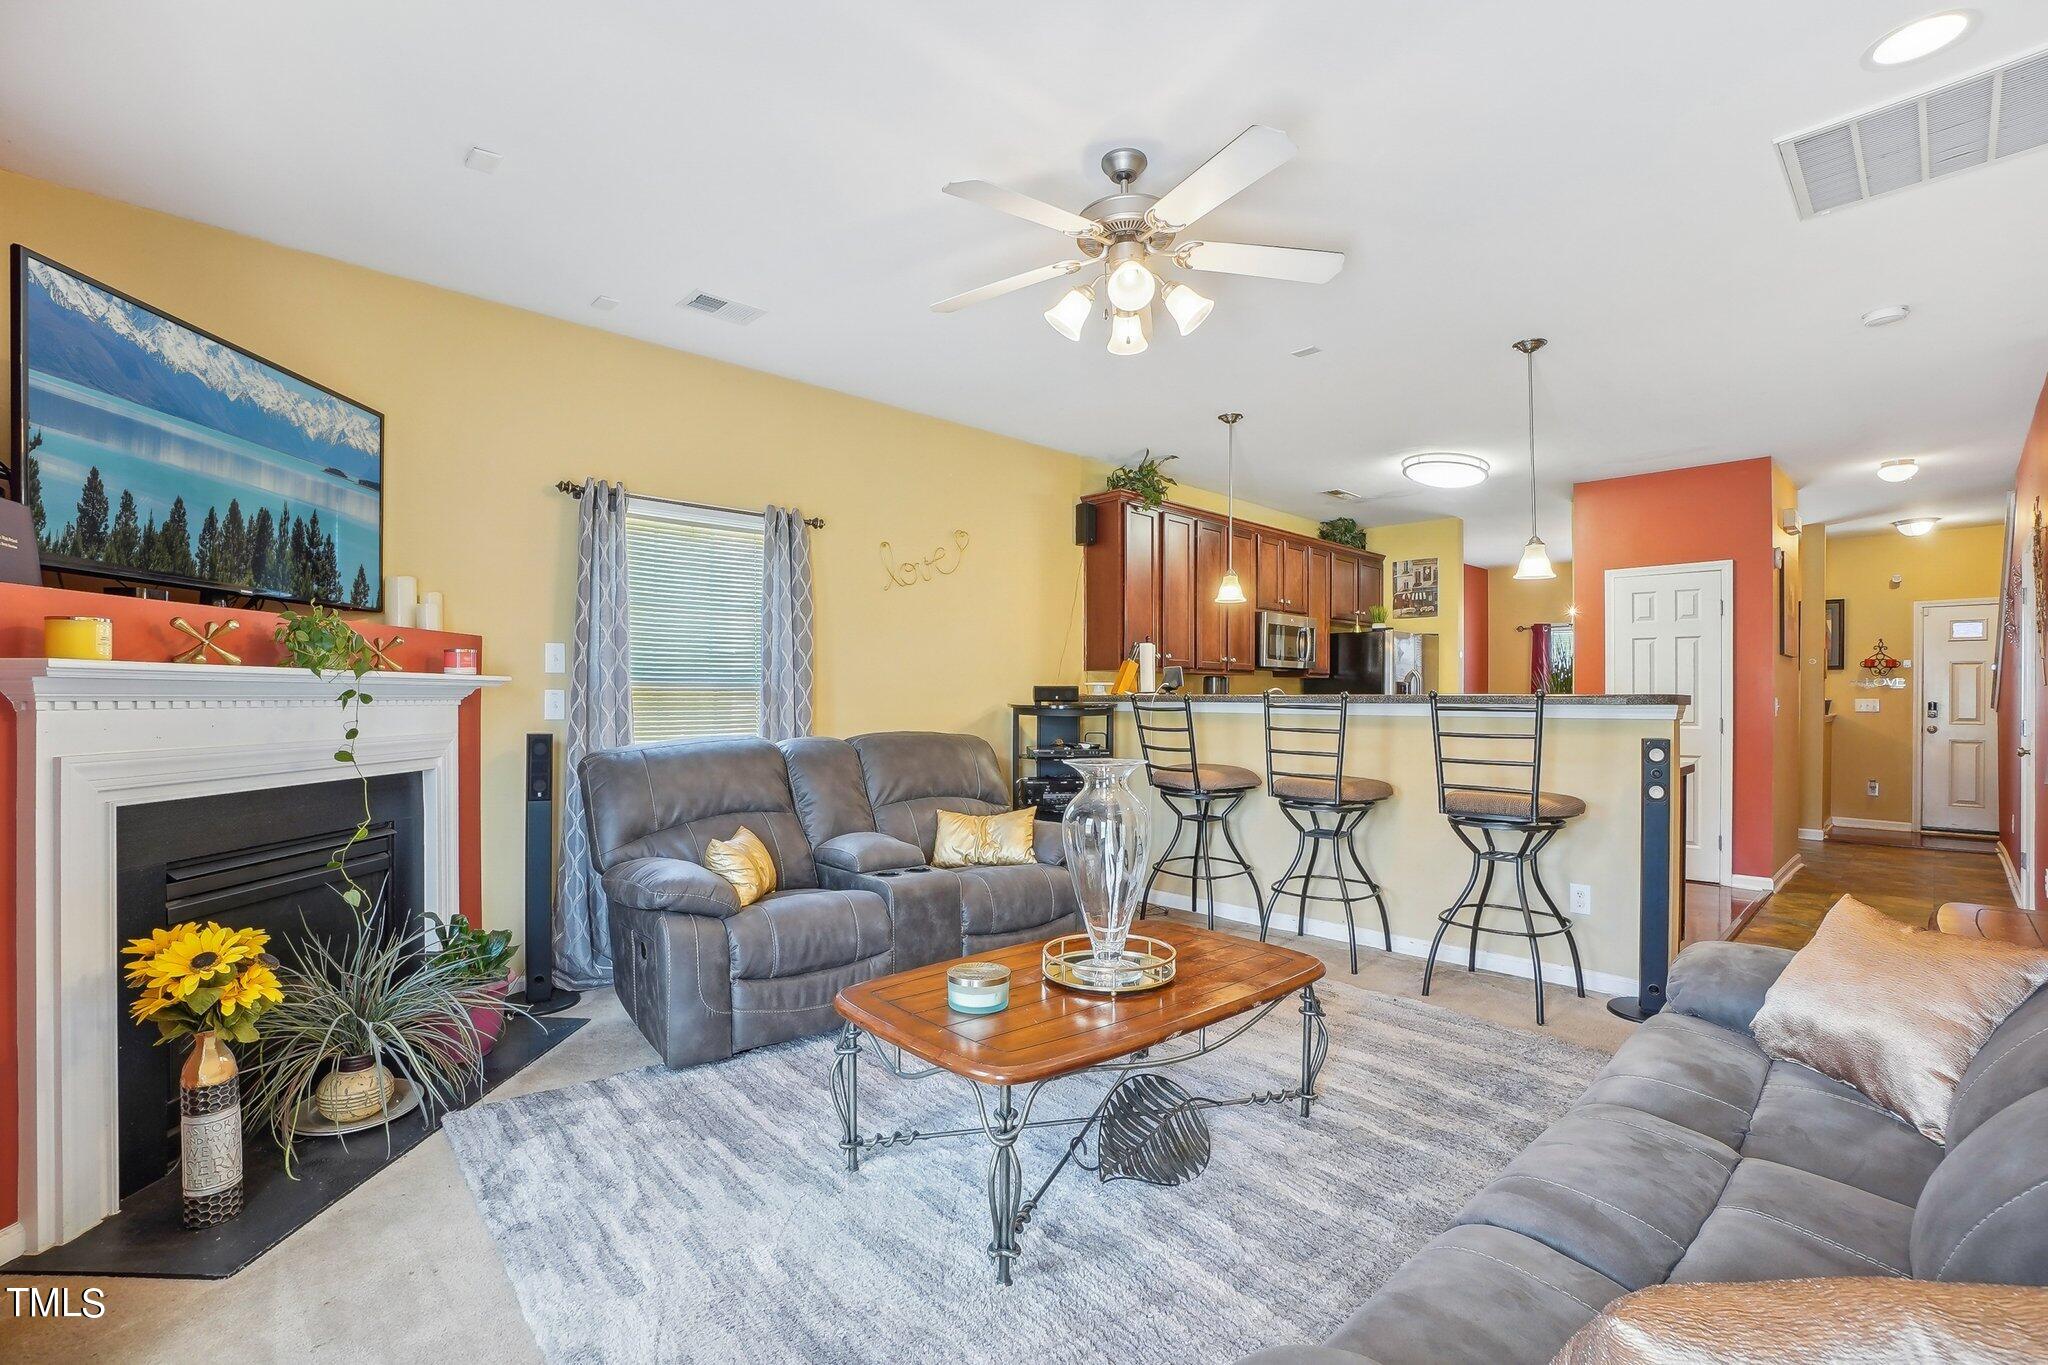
1931	729
2024	752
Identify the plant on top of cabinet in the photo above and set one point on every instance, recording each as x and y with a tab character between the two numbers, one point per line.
1377	615
1147	478
1342	531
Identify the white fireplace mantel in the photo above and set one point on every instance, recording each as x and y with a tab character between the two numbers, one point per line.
93	737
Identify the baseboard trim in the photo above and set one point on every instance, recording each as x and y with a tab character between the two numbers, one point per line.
1787	872
2012	875
1894	826
1743	881
13	1241
1812	836
1505	964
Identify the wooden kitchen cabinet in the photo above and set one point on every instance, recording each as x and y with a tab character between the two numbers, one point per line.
1345	608
1121	576
1212	618
1242	624
1283	573
1316	594
1179	589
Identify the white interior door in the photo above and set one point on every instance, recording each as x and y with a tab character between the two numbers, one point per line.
1958	733
1667	631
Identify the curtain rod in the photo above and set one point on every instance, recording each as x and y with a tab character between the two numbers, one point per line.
575	490
1554	625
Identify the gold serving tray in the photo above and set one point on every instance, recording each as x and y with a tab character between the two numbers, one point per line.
1151	964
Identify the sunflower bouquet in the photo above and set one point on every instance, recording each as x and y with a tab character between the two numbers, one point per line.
202	978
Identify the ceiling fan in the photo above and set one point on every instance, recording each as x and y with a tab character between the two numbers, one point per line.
1130	235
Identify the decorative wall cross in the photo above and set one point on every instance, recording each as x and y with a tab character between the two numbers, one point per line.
385	663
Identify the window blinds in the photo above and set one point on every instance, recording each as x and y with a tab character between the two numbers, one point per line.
694	580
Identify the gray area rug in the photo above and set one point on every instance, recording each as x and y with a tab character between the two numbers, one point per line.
705	1215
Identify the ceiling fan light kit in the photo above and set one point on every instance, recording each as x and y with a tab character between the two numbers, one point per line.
1131	235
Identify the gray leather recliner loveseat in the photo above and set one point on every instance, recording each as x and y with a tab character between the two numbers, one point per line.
850	826
1694	1157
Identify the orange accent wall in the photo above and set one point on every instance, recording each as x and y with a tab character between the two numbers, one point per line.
1686	516
1477	628
142	631
2030	482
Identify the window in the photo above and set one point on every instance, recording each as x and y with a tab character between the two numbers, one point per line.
693	577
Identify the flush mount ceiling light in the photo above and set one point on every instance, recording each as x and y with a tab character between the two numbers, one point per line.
1134	236
1916	526
1886	316
1230	592
1898	471
1535	559
1921	38
1446	469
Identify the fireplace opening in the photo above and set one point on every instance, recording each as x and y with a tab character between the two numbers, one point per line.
249	859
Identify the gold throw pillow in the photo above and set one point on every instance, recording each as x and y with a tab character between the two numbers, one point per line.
1895	1011
984	840
1835	1321
744	861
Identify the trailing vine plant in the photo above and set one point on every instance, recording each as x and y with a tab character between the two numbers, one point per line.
1147	478
319	640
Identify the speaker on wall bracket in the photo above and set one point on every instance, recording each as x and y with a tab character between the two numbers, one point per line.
1659	789
541	995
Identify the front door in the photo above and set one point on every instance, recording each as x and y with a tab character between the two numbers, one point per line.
1958	732
1667	631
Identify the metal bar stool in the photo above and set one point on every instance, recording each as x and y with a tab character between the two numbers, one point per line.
1503	815
1305	773
1199	794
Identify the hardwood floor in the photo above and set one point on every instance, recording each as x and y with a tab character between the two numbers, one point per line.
1905	883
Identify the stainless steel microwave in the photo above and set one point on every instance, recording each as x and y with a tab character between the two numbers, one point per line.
1286	641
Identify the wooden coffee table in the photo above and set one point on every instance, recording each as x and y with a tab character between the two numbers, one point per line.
1049	1032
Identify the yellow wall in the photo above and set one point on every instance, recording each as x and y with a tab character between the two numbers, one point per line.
1509	603
1950	563
487	406
1785	750
1444	540
1813	727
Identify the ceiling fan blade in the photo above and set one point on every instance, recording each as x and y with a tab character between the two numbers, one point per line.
1267	262
1002	287
1250	155
1020	206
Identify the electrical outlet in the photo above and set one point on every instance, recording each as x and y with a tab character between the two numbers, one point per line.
1866	703
554	658
1870	787
554	705
1582	899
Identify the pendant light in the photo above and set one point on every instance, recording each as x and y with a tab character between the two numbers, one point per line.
1230	592
1535	559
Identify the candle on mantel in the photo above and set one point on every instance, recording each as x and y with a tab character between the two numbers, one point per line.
430	612
401	601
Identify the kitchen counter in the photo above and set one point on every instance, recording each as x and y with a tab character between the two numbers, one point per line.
1645	705
1592	749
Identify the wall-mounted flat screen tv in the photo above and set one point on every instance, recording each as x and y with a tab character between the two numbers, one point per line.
149	451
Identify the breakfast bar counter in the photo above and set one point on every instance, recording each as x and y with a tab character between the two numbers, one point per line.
1592	749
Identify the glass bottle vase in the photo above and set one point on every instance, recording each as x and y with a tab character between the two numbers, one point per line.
1105	830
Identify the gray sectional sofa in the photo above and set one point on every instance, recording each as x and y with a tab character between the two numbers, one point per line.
1695	1157
850	825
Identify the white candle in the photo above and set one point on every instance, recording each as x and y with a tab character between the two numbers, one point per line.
430	612
401	601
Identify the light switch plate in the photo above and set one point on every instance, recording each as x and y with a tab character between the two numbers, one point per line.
554	704
554	658
1870	787
1866	703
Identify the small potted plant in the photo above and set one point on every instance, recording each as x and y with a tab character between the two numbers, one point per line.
1377	615
483	961
1342	531
1147	478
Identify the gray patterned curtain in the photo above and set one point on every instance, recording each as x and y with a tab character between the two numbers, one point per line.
600	717
785	624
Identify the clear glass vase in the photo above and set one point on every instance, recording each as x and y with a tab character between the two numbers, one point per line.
1105	830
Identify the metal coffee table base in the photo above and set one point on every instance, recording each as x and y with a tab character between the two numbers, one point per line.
1006	1121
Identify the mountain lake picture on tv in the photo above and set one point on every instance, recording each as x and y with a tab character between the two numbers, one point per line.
148	450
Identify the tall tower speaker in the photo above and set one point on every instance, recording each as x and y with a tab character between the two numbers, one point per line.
1660	778
541	996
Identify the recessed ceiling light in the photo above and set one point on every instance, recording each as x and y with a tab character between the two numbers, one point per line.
604	303
1884	317
1921	38
1897	471
482	159
1445	469
1916	526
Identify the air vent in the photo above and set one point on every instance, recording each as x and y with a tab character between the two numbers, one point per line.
1305	352
1975	121
1343	495
739	313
